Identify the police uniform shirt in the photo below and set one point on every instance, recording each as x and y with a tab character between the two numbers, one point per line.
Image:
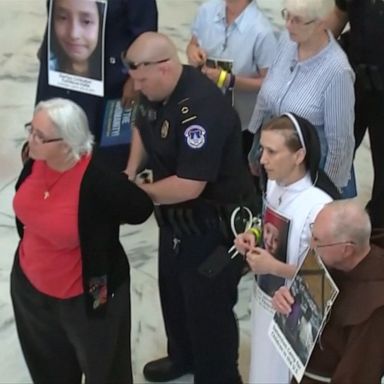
196	134
367	30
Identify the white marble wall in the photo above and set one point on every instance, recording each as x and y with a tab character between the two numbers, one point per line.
21	27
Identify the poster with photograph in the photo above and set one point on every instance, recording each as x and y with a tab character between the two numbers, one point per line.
295	335
76	45
227	66
275	241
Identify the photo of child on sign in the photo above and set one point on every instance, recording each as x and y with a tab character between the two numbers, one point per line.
76	52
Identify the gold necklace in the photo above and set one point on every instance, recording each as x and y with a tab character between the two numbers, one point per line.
48	188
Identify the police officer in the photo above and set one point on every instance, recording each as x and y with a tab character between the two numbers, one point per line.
364	48
191	137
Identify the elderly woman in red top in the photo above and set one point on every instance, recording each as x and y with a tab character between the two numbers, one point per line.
70	279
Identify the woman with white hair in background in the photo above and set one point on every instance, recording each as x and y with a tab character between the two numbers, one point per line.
70	282
311	77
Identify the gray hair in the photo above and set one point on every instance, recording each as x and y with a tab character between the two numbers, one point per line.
350	222
71	124
313	9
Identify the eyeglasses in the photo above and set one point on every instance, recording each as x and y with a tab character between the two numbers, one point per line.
346	242
295	20
36	135
337	243
131	65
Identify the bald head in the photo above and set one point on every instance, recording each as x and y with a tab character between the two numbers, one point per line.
154	65
152	46
348	221
341	234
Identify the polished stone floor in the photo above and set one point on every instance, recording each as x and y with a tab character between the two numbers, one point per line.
21	27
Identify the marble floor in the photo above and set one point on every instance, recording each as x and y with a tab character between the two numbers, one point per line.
21	27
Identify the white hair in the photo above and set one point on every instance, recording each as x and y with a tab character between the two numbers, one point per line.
350	222
313	9
71	124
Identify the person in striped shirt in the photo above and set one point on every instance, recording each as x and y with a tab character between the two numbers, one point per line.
311	77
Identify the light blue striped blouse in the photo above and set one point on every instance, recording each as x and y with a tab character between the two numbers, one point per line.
249	42
319	89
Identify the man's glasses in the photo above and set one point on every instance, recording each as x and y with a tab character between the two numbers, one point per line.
131	65
36	135
317	246
295	20
332	244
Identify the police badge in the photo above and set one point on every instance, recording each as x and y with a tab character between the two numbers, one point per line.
164	129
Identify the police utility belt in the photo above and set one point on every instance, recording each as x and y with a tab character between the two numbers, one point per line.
196	218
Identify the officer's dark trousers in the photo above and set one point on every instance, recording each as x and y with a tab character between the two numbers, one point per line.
369	110
198	311
60	342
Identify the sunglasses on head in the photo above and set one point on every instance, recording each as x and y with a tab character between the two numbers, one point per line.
131	65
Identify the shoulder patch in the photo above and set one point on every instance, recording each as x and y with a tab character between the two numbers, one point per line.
195	136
